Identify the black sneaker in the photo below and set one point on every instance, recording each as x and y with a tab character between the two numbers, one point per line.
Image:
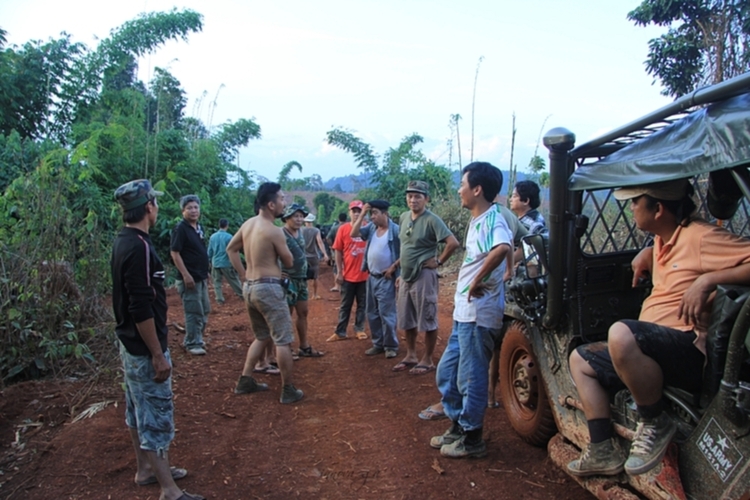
290	394
650	444
246	385
453	434
461	449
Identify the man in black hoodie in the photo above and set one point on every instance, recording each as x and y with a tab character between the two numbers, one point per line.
140	305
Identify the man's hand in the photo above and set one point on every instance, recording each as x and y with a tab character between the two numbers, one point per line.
161	368
431	263
189	281
476	290
388	274
365	209
641	265
339	279
695	301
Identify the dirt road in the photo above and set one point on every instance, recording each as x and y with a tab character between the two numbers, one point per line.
356	433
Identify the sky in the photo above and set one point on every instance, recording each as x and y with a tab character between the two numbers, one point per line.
385	69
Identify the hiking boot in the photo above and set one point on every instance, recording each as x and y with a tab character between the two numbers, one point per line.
246	385
605	458
453	434
290	394
374	351
461	449
650	444
391	353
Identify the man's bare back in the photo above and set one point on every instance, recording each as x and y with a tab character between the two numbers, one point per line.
264	244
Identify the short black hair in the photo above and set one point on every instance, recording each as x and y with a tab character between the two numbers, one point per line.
135	215
342	217
487	175
681	209
528	191
223	223
267	192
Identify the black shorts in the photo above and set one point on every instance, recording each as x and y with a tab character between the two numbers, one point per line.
680	361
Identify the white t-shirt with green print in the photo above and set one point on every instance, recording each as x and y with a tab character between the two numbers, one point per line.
485	233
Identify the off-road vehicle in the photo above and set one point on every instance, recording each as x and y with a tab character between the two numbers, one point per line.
577	281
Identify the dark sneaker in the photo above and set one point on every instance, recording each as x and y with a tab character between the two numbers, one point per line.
451	435
391	353
290	394
461	449
650	444
246	385
374	351
605	459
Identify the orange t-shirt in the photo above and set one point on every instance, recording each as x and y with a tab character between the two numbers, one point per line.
694	250
352	252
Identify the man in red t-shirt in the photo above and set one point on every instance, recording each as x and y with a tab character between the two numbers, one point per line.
349	254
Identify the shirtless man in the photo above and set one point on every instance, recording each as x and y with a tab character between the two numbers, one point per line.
264	291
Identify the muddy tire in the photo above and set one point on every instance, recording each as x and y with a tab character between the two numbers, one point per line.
522	389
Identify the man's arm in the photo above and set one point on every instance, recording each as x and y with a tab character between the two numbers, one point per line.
339	257
357	223
233	252
147	330
321	246
494	259
186	276
282	250
451	244
642	264
695	299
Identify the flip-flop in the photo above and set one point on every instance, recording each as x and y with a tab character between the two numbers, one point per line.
402	366
493	404
190	496
309	352
361	336
430	413
177	473
421	370
268	370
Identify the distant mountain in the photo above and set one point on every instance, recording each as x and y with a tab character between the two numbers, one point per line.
353	183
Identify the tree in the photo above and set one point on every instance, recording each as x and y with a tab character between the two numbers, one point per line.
708	41
284	174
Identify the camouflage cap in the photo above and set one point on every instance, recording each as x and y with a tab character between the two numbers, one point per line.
418	187
135	193
291	209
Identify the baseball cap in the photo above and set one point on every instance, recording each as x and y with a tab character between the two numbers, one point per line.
135	193
310	218
418	187
667	191
356	204
291	209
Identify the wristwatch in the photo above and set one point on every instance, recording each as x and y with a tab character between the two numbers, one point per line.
439	262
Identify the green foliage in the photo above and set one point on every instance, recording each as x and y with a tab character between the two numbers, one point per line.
329	207
708	41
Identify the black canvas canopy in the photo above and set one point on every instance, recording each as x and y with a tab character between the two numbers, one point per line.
659	147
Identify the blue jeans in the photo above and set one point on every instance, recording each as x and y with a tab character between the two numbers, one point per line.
380	303
148	405
462	376
196	305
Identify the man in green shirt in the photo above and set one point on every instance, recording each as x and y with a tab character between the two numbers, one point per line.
420	232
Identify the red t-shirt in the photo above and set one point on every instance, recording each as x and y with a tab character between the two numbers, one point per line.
352	252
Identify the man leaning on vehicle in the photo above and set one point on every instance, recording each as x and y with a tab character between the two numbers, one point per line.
666	346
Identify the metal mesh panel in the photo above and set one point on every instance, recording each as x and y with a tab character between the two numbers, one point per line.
612	229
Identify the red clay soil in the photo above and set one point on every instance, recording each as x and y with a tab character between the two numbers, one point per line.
356	433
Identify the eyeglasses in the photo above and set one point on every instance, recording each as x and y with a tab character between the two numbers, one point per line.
408	229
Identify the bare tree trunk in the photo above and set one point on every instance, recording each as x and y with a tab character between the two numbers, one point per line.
458	141
473	102
512	169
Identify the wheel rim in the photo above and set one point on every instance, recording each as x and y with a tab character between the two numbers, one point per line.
525	377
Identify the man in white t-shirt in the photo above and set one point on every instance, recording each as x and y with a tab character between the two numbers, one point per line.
381	260
478	313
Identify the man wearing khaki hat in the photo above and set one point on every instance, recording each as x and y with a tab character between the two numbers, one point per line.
140	304
420	231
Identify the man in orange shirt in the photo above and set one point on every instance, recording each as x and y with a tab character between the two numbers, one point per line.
349	254
690	257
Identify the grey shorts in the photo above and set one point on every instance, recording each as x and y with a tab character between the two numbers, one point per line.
313	267
269	312
416	305
680	361
148	405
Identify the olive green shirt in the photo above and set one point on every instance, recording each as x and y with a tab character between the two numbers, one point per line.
419	240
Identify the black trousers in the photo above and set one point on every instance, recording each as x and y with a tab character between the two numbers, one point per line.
349	292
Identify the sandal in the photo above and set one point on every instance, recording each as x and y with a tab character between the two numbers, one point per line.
362	336
309	352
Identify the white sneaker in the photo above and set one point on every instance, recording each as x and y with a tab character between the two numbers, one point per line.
197	351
